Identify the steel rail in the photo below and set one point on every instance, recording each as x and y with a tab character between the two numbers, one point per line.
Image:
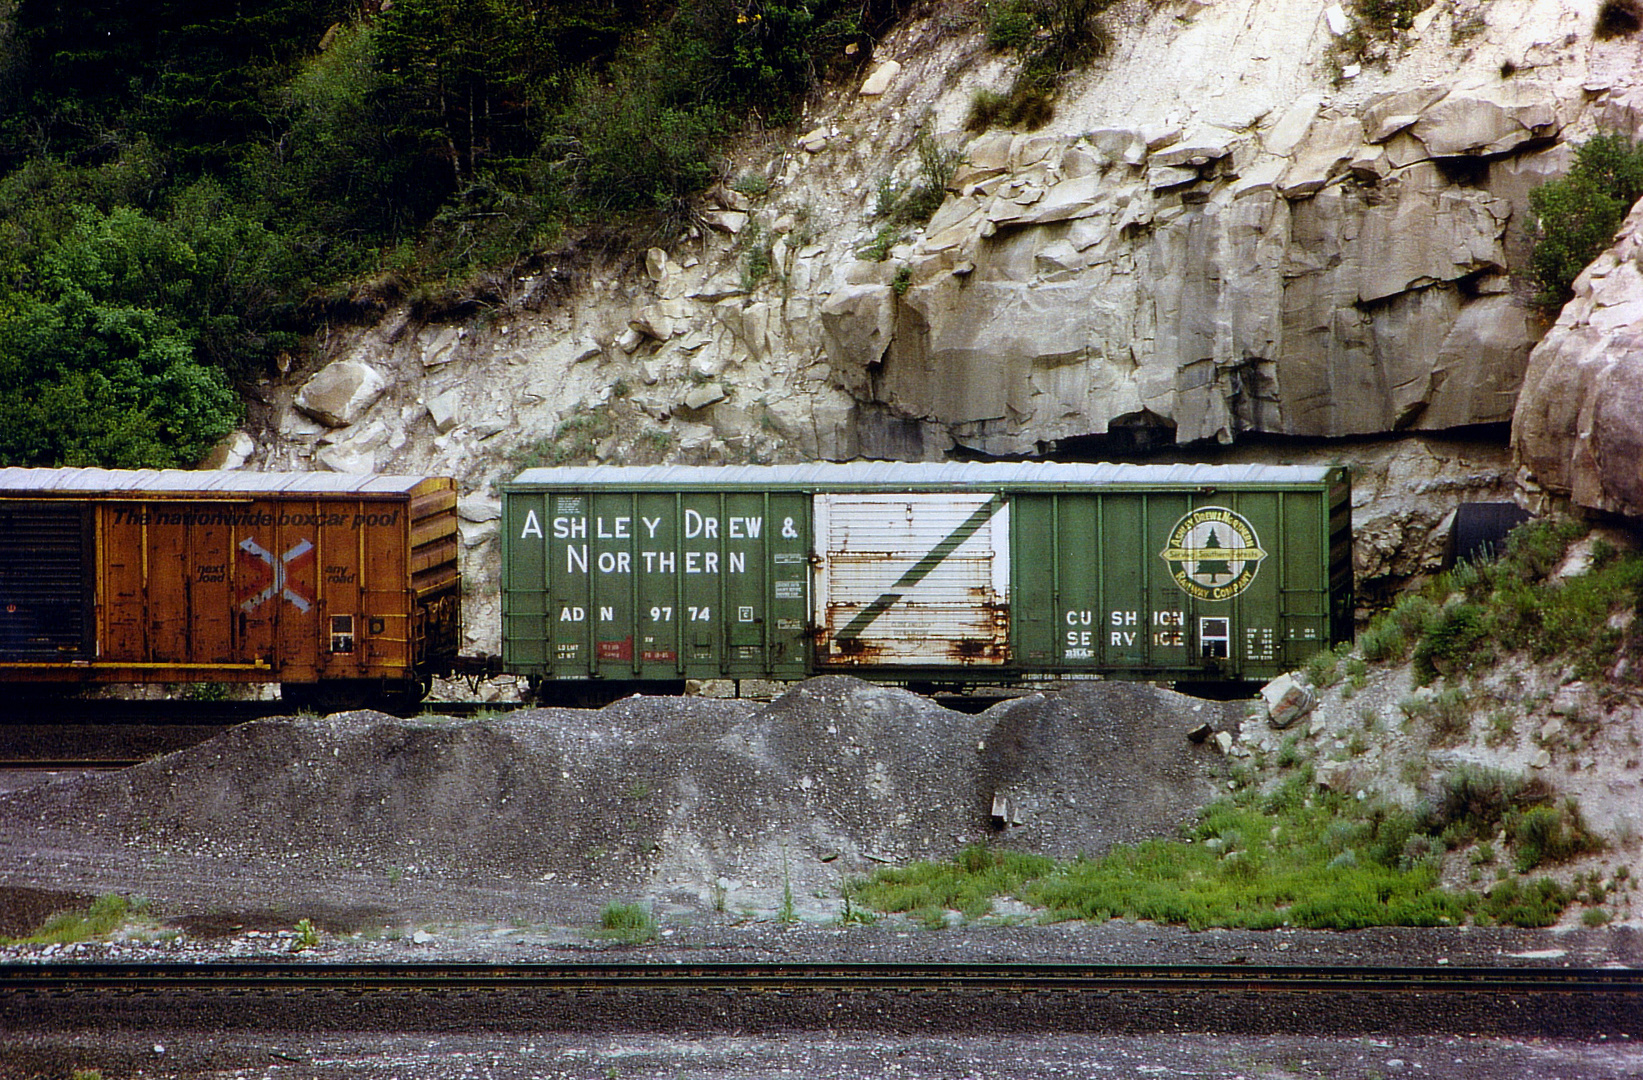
25	764
66	976
60	711
936	998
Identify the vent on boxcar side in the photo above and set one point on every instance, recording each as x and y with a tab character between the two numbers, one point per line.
45	582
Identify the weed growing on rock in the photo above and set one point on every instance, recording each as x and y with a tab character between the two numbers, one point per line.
631	924
916	202
756	257
878	249
576	439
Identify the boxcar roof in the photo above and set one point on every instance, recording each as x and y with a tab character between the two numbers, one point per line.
918	474
200	481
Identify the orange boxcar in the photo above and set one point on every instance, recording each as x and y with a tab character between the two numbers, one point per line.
338	587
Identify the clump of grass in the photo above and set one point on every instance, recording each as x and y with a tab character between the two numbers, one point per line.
631	924
851	913
967	884
106	914
1297	857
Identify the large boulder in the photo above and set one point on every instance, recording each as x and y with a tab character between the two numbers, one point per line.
1578	432
341	392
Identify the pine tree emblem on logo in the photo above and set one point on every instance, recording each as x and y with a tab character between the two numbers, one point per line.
1213	553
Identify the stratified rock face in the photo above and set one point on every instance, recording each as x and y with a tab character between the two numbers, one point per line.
1328	274
1578	433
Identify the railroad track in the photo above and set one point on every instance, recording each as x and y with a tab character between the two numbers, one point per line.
82	735
1569	1002
111	711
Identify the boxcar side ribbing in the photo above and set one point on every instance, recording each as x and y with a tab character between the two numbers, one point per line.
967	573
174	576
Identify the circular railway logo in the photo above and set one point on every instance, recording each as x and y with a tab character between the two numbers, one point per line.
1213	553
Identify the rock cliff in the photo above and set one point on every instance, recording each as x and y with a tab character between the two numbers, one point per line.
1230	231
1578	432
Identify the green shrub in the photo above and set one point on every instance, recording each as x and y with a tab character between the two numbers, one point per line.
1576	216
1546	834
1012	25
1511	904
752	184
1618	18
967	884
1455	642
1483	797
1322	668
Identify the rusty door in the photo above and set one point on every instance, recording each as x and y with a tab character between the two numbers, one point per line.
913	579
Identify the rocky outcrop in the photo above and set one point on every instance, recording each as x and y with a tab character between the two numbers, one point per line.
1578	433
1331	273
1224	233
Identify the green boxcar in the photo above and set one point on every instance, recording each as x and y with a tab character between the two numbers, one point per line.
622	578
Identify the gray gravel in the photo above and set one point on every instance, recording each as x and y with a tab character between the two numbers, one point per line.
501	839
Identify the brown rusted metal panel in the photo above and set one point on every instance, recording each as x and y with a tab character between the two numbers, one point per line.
260	577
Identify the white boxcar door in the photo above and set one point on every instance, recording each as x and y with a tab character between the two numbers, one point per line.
913	579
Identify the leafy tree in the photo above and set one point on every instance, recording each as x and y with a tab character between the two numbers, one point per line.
1577	216
641	143
95	366
340	171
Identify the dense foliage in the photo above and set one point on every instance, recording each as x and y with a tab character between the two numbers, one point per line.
187	188
1578	215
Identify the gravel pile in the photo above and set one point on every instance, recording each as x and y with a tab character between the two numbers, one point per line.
689	803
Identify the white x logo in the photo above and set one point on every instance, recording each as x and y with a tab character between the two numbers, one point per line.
278	587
